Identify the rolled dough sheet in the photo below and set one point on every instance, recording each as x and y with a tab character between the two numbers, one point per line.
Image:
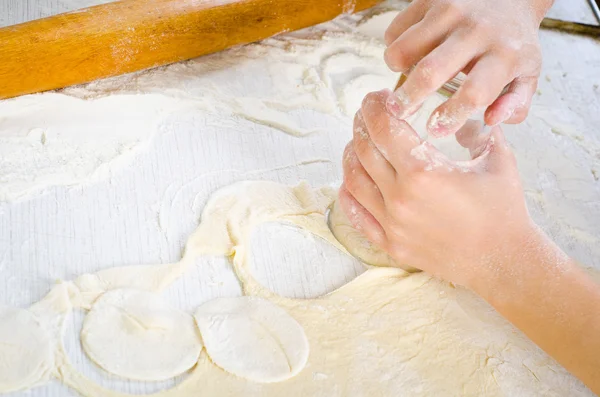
386	333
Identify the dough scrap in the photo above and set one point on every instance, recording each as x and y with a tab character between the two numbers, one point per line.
136	335
253	338
25	350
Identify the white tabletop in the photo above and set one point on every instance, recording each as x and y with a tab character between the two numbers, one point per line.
143	213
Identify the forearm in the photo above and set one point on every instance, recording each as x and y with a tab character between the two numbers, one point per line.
555	303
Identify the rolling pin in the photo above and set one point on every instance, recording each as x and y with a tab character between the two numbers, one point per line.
131	35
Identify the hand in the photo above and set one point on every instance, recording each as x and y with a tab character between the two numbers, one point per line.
459	223
468	224
494	42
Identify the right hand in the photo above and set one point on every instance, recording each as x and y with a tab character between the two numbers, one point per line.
459	224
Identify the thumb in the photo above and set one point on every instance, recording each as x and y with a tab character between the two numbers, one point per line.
500	157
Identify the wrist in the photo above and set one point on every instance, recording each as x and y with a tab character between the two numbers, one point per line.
527	251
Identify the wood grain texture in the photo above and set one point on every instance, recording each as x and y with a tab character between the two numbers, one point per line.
572	27
132	35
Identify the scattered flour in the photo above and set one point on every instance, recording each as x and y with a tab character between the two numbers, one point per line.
383	334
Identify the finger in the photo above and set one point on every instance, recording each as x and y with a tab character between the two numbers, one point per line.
393	138
360	218
404	20
500	158
372	160
473	136
360	184
482	86
434	70
416	42
513	106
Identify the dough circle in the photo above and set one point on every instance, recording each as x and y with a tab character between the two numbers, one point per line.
253	338
136	335
25	350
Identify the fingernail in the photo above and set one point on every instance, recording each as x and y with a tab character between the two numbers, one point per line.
402	97
393	107
397	103
440	125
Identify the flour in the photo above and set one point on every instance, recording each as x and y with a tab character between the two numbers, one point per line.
52	139
385	333
109	121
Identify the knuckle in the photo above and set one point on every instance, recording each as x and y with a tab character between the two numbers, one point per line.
370	99
379	129
509	51
361	140
397	58
428	72
474	97
360	149
348	161
390	35
350	181
358	120
454	8
482	28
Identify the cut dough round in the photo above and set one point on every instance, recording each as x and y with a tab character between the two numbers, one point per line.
356	243
136	335
25	350
253	338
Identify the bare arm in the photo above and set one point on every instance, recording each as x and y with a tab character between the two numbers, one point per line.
554	302
470	226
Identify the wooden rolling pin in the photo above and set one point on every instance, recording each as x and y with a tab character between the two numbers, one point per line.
131	35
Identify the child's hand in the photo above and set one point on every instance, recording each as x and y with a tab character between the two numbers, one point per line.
494	42
460	224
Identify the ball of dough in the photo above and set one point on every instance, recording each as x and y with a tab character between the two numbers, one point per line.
25	350
136	335
356	243
253	338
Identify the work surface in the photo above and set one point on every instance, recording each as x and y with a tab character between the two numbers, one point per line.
137	201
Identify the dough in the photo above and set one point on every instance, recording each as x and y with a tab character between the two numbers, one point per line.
354	241
25	350
252	338
135	335
387	333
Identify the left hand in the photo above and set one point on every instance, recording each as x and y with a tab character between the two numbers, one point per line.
494	42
